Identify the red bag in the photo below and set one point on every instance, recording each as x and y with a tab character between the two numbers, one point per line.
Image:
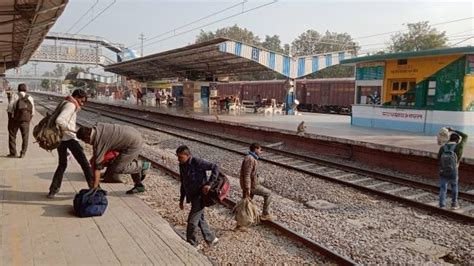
219	191
108	158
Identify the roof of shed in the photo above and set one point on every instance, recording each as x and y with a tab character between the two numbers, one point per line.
197	61
405	55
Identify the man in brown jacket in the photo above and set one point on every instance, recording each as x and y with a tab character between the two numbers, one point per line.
250	182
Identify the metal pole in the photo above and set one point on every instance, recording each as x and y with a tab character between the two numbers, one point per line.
35	64
142	37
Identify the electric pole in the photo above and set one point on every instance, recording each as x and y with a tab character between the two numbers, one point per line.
35	64
142	38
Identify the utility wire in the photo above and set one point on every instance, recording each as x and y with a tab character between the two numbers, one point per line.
103	10
213	22
436	24
451	37
77	21
192	22
327	41
463	41
380	48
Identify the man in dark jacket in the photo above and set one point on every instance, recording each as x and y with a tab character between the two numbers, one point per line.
457	140
194	181
125	140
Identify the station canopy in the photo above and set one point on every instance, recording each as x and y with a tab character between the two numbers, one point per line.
194	62
23	26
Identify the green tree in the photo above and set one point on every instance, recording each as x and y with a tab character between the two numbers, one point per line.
235	33
273	43
59	71
76	69
76	82
45	84
286	48
420	36
312	42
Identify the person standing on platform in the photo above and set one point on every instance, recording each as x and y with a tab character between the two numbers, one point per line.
250	181
125	140
157	98
194	182
139	96
21	109
449	156
66	121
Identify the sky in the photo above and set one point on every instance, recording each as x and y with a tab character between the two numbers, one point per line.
122	21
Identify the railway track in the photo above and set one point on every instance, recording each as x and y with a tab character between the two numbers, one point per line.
413	193
410	192
307	242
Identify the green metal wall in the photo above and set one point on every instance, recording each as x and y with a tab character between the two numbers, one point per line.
449	88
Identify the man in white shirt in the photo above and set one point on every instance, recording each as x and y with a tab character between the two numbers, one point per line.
21	109
66	121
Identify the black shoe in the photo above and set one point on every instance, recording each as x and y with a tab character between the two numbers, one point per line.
12	155
136	189
22	155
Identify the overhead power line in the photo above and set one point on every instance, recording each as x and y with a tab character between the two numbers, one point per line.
213	22
390	32
192	22
100	13
77	21
335	41
463	41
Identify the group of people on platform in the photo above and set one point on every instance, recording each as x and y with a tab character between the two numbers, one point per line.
117	148
160	96
124	140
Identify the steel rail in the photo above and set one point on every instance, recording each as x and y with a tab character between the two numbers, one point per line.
410	202
228	203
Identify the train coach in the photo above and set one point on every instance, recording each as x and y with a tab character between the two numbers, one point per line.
315	95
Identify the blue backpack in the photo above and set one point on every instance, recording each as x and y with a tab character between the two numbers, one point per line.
448	161
90	202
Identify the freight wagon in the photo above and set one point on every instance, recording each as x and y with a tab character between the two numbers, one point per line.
314	95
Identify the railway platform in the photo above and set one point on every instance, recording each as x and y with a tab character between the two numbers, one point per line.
328	127
41	231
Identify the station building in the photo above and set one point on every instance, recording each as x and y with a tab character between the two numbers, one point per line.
415	91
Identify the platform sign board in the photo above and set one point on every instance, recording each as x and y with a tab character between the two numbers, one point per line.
389	118
255	54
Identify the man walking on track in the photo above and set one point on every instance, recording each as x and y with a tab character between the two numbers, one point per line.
250	181
195	182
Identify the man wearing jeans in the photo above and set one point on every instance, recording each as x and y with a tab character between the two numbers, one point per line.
457	140
251	183
194	182
66	121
